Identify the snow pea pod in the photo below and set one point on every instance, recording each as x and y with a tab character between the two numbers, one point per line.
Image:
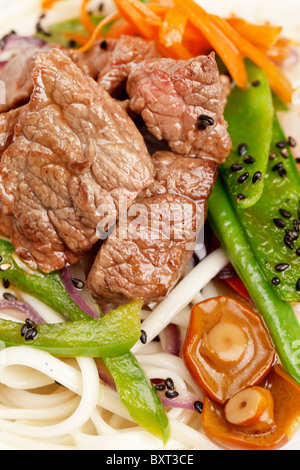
114	334
272	225
278	315
249	114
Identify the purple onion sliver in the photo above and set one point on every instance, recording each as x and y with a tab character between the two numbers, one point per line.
22	307
171	339
185	400
19	43
3	63
74	294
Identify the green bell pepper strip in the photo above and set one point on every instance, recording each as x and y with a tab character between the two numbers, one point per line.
48	288
278	316
249	114
138	395
272	245
113	335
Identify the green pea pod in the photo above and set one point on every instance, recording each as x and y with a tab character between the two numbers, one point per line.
138	395
279	316
113	335
48	288
249	114
272	225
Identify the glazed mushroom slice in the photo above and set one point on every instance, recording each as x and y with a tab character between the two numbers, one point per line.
227	347
264	417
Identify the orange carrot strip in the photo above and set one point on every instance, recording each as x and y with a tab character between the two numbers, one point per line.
172	28
120	27
97	33
176	51
47	4
85	17
264	35
135	18
277	80
220	42
80	39
144	11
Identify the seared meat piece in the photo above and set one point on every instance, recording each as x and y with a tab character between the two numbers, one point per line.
183	103
17	72
76	156
8	122
111	60
162	227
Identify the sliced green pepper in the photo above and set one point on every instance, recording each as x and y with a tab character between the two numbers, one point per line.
279	316
138	395
272	226
113	335
48	288
249	114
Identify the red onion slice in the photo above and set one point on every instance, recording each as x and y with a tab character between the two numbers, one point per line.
92	308
19	43
22	307
185	400
170	339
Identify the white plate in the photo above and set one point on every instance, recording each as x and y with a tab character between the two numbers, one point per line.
21	15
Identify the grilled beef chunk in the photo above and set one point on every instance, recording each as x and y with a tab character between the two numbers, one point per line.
182	102
17	72
75	149
111	60
8	122
149	252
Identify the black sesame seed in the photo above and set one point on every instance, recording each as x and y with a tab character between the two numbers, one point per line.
257	177
282	172
298	252
204	121
282	144
78	283
279	223
198	406
297	160
160	387
9	296
171	394
298	285
285	153
241	196
72	44
237	167
1	259
103	44
272	156
243	178
23	330
169	384
5	283
249	159
30	323
276	281
31	334
277	167
256	83
282	267
286	214
289	242
242	149
292	142
296	225
293	234
143	337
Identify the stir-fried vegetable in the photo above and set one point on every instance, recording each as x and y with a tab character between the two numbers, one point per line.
249	114
227	347
259	418
115	334
279	316
138	395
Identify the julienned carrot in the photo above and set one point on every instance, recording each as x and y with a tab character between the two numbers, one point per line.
220	42
120	27
134	17
47	4
263	35
97	32
176	51
85	18
277	80
172	29
144	11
